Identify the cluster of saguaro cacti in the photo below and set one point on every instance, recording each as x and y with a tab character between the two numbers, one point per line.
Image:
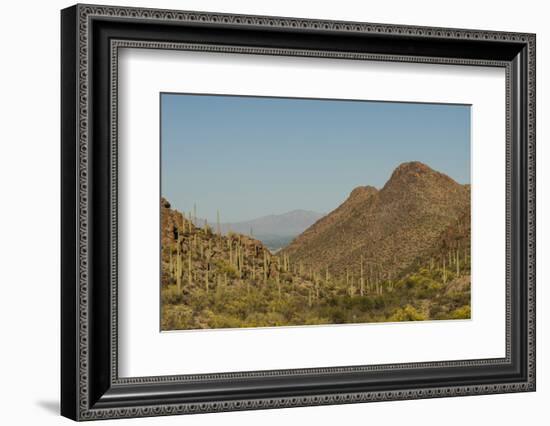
201	258
455	260
364	279
249	261
238	257
190	244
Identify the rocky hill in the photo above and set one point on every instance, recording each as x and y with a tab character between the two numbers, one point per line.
388	229
199	265
194	256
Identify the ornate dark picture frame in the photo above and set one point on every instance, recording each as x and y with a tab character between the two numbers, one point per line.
91	37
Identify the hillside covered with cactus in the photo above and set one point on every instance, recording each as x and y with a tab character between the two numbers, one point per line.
398	254
390	228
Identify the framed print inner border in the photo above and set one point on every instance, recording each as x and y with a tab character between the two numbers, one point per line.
87	402
116	45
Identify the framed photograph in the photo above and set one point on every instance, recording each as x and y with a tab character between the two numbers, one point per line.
263	212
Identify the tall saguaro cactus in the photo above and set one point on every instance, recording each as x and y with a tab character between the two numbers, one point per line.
265	267
178	264
170	263
178	273
189	269
316	279
362	279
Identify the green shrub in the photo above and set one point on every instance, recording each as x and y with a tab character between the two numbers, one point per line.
464	312
408	313
171	295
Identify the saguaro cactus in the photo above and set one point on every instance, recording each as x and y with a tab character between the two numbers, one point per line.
316	281
189	269
178	264
362	280
178	273
265	267
239	261
287	262
170	264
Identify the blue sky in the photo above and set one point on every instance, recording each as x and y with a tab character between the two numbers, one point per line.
254	156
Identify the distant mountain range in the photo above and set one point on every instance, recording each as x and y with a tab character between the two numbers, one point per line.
276	230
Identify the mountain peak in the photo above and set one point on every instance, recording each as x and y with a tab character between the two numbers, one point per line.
362	191
415	171
412	167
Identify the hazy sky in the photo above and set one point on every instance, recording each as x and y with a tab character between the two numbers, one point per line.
254	156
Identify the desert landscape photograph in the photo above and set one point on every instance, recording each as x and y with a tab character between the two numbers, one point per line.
299	212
